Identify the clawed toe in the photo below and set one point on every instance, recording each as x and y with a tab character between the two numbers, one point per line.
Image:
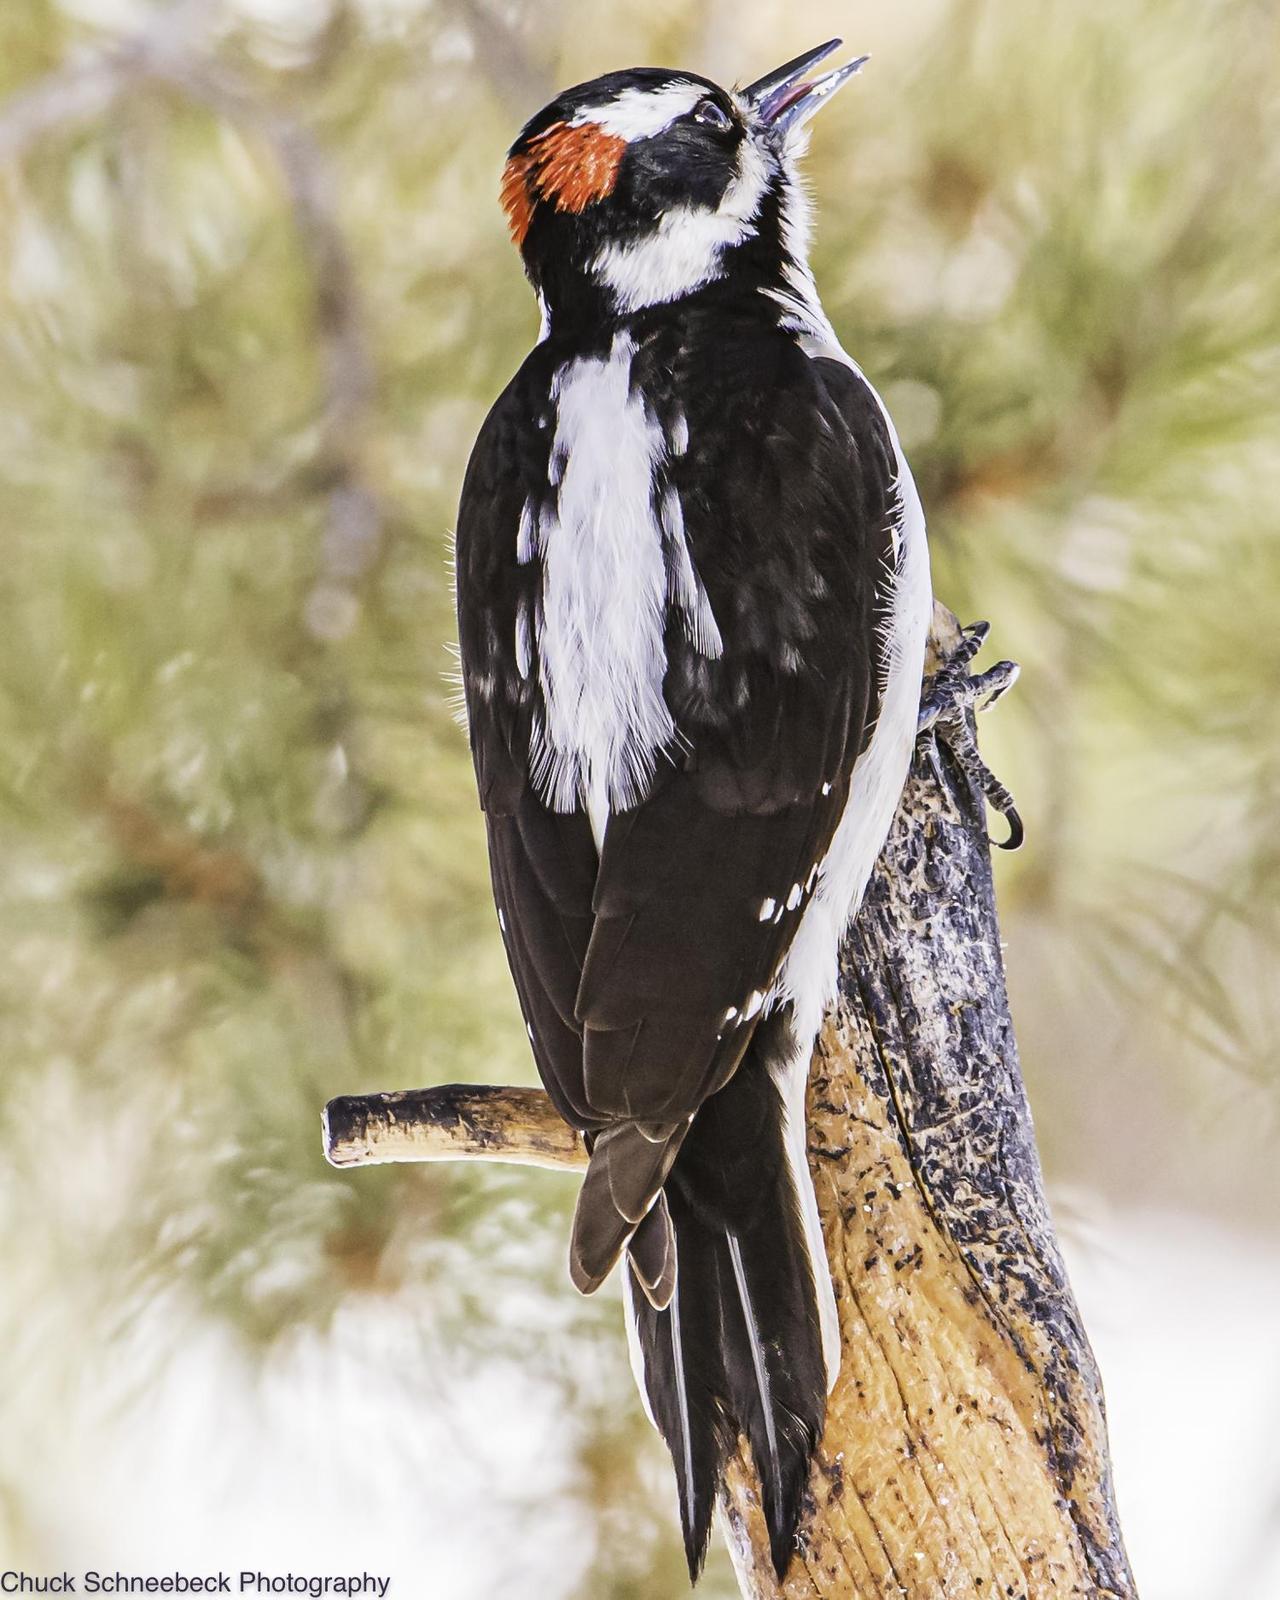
951	694
990	685
1017	833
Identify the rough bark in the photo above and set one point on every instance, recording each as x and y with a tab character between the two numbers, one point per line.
452	1122
965	1451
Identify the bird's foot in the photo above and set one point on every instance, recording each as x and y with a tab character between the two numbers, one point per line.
951	690
951	693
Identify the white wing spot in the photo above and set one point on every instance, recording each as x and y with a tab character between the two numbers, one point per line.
527	535
767	908
523	651
731	1014
754	1001
826	788
793	899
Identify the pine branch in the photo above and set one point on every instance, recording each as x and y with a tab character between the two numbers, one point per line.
174	51
86	88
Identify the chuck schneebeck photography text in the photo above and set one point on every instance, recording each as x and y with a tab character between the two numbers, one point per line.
93	1582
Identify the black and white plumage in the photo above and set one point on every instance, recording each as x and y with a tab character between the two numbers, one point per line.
693	592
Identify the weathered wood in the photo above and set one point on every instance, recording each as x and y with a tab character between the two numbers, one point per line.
965	1451
452	1122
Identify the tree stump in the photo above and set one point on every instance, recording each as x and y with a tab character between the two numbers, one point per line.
965	1451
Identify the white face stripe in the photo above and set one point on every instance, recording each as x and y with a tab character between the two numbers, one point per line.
642	113
686	248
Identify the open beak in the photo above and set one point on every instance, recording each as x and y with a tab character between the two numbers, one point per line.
785	100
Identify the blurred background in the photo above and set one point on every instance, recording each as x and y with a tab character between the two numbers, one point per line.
255	298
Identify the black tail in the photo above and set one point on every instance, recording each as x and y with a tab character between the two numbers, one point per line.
739	1348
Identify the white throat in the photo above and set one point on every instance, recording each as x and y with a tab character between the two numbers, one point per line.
686	249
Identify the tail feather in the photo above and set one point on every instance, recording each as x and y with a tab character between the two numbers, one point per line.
776	1376
624	1179
652	1253
739	1348
690	1510
684	1385
759	1368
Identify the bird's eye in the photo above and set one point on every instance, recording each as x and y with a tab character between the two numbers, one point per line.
713	115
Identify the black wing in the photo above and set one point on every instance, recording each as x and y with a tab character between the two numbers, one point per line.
642	975
543	864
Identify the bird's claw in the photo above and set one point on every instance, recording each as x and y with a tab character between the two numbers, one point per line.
951	694
952	691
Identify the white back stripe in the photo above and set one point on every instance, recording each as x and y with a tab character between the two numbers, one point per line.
615	557
600	648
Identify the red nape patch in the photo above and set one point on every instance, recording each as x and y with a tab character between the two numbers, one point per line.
517	196
570	166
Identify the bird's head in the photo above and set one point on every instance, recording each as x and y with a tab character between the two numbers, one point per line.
647	185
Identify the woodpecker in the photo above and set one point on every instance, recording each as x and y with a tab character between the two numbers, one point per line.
693	592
